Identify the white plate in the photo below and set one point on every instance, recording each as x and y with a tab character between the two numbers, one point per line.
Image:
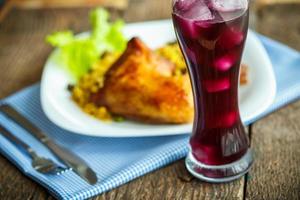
60	109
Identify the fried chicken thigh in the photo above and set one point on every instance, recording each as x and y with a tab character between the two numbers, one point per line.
140	86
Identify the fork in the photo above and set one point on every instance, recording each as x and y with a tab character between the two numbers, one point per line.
40	164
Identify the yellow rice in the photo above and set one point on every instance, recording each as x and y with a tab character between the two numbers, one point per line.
92	81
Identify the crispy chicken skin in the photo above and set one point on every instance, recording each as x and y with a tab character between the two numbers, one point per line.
140	86
244	74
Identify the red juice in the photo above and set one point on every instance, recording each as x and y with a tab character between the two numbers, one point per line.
212	35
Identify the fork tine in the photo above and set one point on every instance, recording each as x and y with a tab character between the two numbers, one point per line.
62	170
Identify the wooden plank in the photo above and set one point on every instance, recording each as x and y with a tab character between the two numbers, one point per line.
23	50
262	3
22	39
174	182
276	171
120	4
13	185
145	10
275	139
281	22
4	10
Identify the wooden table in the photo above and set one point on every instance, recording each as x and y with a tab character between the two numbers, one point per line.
275	139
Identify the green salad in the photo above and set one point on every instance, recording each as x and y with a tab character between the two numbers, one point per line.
78	54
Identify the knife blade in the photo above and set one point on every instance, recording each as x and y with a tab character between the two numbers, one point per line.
79	166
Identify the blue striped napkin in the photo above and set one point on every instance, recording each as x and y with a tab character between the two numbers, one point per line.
117	160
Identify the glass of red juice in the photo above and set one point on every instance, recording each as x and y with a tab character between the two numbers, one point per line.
212	34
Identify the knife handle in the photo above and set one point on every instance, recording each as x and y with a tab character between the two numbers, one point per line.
11	137
19	118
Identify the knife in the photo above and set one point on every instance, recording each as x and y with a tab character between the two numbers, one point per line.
79	166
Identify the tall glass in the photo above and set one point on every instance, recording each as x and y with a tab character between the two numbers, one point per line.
212	34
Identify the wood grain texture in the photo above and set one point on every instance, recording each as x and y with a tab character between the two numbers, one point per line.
4	9
174	182
23	49
276	139
281	22
121	4
262	3
276	171
14	185
146	10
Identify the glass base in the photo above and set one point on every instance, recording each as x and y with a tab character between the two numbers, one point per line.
219	173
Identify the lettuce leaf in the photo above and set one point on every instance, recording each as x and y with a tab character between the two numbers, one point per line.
78	54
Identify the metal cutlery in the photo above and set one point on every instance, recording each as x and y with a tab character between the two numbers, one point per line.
79	166
40	164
